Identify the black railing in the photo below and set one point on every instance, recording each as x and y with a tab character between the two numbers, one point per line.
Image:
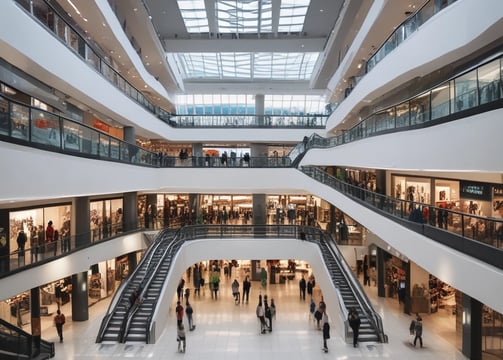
31	126
358	291
38	254
476	90
54	21
314	121
473	235
16	343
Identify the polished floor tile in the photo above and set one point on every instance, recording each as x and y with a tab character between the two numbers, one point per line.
228	331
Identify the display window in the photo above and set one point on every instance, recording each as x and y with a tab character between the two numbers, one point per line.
412	189
105	218
33	223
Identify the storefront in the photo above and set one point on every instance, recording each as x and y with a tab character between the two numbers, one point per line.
105	218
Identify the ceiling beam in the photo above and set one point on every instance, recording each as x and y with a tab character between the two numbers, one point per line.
244	45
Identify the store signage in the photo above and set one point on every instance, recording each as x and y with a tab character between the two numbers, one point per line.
471	190
498	191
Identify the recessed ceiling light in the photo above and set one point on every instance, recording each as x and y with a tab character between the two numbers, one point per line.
135	9
321	10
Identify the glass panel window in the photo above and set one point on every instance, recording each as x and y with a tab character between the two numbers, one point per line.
440	101
19	116
402	115
71	136
466	95
489	76
45	128
419	109
194	15
4	116
252	16
292	14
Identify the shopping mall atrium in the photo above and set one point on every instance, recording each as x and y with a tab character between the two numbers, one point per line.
159	150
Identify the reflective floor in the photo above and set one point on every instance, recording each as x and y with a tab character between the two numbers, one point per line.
225	330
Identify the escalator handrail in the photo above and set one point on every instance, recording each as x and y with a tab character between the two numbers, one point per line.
144	285
488	253
119	293
149	277
357	288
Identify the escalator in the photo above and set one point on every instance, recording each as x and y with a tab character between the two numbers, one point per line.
16	343
353	296
123	312
138	322
129	323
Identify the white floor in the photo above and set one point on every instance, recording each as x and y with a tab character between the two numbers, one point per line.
225	330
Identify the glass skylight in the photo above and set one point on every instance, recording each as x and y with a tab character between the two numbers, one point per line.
194	15
292	14
275	66
244	16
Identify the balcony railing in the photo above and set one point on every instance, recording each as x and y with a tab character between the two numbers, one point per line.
399	35
57	24
28	125
315	121
476	90
477	236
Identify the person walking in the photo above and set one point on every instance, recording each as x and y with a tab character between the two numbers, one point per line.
21	243
180	337
189	311
235	291
418	329
59	321
267	313
179	313
261	315
354	323
326	329
246	289
312	308
302	288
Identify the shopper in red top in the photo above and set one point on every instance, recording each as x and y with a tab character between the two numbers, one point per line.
49	233
179	313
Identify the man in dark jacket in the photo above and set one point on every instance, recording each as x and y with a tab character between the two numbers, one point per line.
354	323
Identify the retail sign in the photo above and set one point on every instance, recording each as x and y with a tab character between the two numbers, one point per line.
473	190
498	191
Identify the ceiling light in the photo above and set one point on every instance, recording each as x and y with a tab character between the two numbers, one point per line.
359	66
321	10
135	9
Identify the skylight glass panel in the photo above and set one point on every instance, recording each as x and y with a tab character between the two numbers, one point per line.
244	16
292	15
194	15
249	66
284	66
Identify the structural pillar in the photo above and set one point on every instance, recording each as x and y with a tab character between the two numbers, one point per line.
472	327
194	208
36	331
130	211
381	291
132	261
81	214
80	299
381	181
129	134
197	155
259	108
259	210
406	301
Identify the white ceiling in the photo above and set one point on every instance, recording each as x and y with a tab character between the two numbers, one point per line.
158	30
